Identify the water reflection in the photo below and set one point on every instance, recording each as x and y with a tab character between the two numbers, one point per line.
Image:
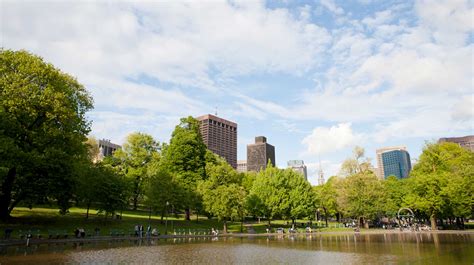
295	249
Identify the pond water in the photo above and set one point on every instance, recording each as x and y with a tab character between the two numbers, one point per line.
390	248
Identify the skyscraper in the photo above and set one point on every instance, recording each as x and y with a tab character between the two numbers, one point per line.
220	136
380	172
393	161
298	166
259	153
466	142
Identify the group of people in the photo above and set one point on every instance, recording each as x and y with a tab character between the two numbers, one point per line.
214	232
80	233
140	232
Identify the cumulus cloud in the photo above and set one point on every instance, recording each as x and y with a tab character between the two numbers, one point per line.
324	140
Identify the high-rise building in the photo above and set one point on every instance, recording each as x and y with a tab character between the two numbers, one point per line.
298	166
466	142
380	172
220	136
259	153
242	166
393	161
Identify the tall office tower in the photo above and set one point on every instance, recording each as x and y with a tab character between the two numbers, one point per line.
298	166
242	166
380	172
259	153
393	161
466	142
220	136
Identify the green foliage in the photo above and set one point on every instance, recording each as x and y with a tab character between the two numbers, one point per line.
132	161
222	195
280	193
185	158
42	130
441	182
325	197
360	195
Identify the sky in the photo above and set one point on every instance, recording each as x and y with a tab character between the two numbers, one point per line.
315	77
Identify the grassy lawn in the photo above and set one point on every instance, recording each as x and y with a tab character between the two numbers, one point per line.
44	220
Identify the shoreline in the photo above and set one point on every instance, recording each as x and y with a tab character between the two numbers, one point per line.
22	242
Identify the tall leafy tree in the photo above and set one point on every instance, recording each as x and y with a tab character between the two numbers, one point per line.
133	160
441	182
222	193
360	196
185	157
42	130
326	197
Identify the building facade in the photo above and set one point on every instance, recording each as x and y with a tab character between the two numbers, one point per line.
220	136
106	148
466	142
298	166
259	153
393	161
380	170
242	166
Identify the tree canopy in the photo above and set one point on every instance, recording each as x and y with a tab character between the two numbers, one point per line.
42	130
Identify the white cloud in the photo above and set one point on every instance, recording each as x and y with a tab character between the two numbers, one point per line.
331	6
463	110
326	140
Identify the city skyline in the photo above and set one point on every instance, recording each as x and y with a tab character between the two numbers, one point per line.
317	78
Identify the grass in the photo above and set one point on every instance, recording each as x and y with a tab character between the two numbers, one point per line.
42	221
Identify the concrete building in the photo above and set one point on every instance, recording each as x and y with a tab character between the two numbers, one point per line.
259	153
220	136
298	166
242	166
466	142
106	148
393	161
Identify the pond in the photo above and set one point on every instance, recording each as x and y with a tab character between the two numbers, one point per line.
388	248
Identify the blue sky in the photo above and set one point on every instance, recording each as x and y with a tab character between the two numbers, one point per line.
315	77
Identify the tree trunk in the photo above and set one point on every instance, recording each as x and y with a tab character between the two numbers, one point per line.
135	201
338	217
366	224
326	216
87	213
188	214
361	222
6	195
225	226
162	216
433	222
197	216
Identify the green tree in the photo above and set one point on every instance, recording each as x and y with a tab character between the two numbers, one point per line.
360	197
222	195
133	160
185	158
394	192
441	182
42	130
358	163
326	197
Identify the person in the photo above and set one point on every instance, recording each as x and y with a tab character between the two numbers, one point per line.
136	230
76	232
148	231
141	231
97	231
213	232
82	232
268	230
154	232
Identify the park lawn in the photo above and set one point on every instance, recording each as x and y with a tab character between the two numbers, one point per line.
44	220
